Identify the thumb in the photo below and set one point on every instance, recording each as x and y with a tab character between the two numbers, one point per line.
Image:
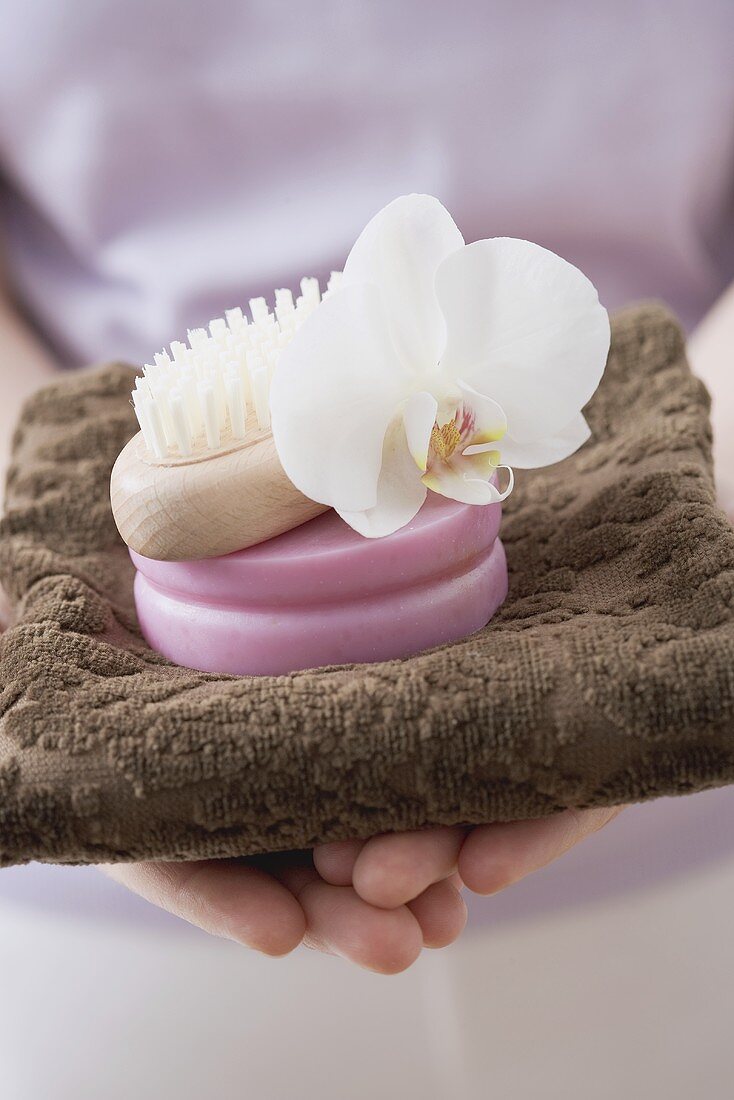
495	856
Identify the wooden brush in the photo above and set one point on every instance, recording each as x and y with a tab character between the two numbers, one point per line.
202	477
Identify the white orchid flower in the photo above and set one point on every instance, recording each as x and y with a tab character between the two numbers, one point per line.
433	361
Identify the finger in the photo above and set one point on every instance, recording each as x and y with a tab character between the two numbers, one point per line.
335	861
394	868
223	897
340	923
441	913
494	856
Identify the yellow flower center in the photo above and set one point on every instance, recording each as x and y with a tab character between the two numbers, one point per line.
445	439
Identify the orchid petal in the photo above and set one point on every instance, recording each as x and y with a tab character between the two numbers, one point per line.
335	390
490	422
419	416
544	452
400	251
525	326
400	491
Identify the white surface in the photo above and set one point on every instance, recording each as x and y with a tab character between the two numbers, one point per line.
90	1014
624	998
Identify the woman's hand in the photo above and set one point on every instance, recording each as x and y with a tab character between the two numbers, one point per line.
377	903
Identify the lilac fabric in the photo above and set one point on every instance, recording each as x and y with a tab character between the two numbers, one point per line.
164	162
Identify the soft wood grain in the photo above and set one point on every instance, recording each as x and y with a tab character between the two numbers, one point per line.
202	509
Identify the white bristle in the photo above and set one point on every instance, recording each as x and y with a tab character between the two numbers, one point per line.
253	362
153	376
272	359
244	373
208	401
221	395
260	385
310	290
258	309
162	360
334	283
265	327
139	404
154	417
160	399
236	401
235	319
284	307
150	422
197	397
187	385
180	422
196	337
179	351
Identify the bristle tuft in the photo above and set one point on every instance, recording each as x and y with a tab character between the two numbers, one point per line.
198	397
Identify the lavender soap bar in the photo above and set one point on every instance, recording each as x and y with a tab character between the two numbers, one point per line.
321	594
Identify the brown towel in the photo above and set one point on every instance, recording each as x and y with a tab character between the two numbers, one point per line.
607	677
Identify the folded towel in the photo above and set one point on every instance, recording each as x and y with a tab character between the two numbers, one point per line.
607	677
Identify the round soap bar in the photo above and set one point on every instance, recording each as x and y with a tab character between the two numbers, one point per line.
321	594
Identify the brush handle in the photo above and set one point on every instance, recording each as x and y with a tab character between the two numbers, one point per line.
202	509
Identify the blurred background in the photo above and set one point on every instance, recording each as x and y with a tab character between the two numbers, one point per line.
160	162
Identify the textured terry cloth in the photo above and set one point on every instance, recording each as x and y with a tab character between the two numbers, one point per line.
607	677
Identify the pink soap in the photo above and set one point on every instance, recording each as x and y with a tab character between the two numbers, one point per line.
322	594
